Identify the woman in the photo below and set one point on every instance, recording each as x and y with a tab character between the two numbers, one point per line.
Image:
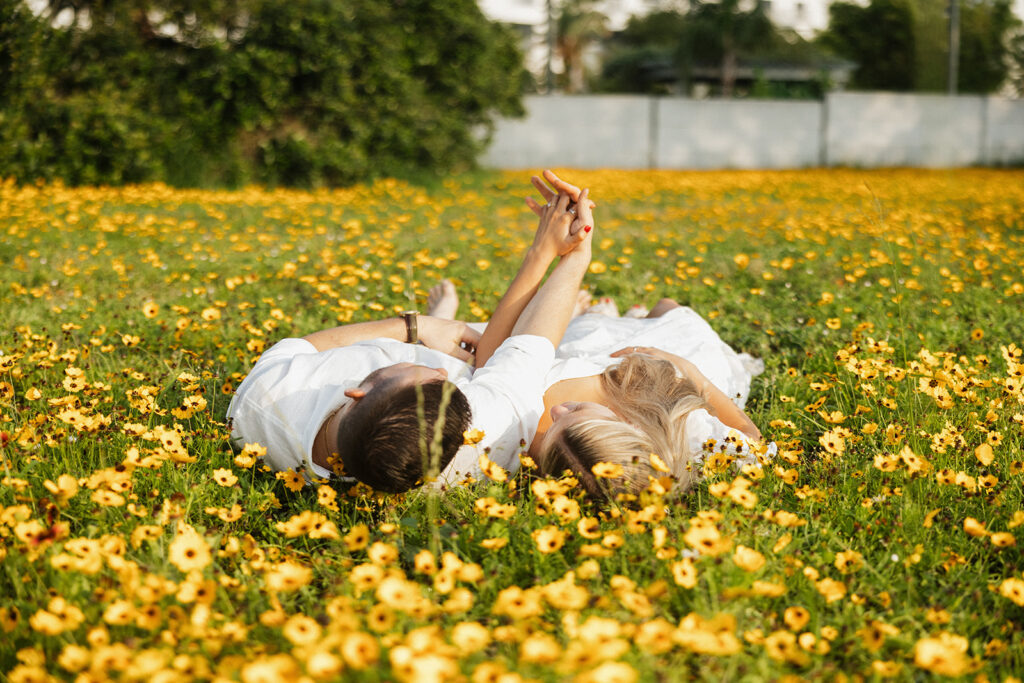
621	389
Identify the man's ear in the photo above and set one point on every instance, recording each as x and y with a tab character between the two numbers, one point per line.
355	394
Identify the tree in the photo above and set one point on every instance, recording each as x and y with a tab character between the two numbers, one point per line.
721	31
879	38
985	44
1015	77
229	91
644	55
578	26
903	44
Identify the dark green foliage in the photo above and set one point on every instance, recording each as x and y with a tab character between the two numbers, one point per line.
643	56
984	26
719	43
879	37
307	92
903	44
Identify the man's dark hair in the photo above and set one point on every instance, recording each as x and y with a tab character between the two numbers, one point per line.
382	438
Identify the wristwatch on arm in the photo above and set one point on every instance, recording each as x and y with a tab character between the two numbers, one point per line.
411	331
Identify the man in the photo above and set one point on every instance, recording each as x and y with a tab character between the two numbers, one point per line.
361	399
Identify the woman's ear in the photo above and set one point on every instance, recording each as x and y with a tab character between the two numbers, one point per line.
355	394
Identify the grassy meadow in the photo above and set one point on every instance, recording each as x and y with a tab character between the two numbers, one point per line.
881	542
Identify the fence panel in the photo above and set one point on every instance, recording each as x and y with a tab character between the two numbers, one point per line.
737	134
847	129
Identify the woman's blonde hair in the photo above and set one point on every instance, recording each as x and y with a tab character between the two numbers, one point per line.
653	403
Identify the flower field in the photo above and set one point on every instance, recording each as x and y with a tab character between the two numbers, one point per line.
883	541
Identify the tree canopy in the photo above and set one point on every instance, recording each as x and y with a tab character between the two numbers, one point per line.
903	44
304	92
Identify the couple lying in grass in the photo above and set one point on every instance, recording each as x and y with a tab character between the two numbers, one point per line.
399	401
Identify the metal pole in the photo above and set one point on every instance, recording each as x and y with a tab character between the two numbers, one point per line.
548	73
954	46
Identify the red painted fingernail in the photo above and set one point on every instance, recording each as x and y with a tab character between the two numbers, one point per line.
587	228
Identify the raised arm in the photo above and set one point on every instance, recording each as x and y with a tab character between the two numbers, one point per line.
718	404
559	231
550	310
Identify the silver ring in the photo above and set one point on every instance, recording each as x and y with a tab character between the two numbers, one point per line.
572	211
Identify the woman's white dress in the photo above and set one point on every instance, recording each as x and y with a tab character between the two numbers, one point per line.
591	338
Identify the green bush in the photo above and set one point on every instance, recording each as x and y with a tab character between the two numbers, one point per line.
308	92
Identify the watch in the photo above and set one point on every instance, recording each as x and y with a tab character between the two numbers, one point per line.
411	332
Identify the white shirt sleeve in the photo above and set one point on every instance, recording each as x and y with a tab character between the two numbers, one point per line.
507	399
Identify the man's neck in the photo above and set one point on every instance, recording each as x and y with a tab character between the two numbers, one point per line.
326	442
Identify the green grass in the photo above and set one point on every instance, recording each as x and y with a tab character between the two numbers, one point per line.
856	288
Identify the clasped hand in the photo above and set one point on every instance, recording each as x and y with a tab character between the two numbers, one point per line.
566	220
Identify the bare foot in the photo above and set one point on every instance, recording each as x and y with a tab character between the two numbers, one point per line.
582	303
443	301
605	306
636	311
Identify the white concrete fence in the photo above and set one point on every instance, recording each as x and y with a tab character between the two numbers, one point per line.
846	129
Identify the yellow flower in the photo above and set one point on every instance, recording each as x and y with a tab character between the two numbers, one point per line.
748	559
796	618
225	477
9	618
188	551
470	636
607	470
517	603
549	539
150	309
382	554
287	576
833	442
64	488
360	650
301	630
886	669
293	481
357	537
832	590
707	539
1002	539
472	436
659	465
1013	589
540	648
849	561
425	563
684	573
782	646
491	469
944	654
609	672
974	528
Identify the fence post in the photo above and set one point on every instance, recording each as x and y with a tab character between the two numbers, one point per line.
983	157
823	133
652	132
